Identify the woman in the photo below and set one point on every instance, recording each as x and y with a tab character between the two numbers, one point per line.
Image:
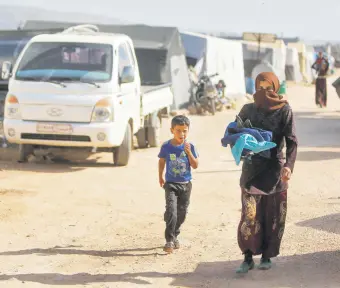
321	66
264	181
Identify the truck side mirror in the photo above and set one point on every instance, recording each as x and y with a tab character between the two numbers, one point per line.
6	71
128	75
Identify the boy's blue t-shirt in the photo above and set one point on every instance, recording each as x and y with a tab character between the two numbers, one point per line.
178	168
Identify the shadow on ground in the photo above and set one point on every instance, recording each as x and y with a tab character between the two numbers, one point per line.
329	223
57	165
319	129
70	250
40	168
311	156
314	270
218	171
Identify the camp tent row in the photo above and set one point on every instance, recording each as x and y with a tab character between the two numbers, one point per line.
164	54
290	58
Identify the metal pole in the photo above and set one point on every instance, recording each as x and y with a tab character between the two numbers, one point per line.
259	48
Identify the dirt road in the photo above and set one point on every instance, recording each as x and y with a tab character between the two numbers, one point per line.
89	224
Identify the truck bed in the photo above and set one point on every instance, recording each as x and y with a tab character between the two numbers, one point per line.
155	98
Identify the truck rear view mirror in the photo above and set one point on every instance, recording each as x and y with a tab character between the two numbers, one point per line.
128	75
6	71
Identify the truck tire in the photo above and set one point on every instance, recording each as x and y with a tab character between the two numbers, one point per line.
153	130
141	138
121	154
24	151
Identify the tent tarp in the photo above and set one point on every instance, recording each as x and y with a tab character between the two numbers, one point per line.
304	60
273	55
13	41
221	56
260	68
293	72
253	55
159	51
11	44
335	52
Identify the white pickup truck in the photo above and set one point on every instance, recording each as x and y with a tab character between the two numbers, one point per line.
81	88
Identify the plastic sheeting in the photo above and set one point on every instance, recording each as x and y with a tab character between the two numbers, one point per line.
305	60
11	45
273	56
254	55
293	72
310	73
221	56
335	52
260	68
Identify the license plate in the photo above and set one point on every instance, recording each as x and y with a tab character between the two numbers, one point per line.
54	128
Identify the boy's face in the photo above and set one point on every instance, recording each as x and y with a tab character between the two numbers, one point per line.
180	132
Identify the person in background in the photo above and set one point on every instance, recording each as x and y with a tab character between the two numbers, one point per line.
178	156
264	181
321	66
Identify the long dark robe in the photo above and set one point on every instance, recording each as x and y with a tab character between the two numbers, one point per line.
321	84
263	216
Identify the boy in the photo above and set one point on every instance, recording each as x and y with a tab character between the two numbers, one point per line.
178	156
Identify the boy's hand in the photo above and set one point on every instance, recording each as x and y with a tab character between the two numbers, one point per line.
161	182
187	148
286	173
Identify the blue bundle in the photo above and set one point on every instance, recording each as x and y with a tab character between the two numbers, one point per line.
247	141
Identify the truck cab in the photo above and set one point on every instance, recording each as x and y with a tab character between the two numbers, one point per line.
78	88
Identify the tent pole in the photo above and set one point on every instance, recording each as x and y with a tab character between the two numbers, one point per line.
259	48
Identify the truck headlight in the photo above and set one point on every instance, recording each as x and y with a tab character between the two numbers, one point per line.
102	111
12	107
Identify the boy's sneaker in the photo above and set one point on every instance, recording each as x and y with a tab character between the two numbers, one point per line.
177	245
169	247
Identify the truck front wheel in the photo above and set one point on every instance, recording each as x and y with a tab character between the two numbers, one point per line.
154	129
122	154
141	138
24	151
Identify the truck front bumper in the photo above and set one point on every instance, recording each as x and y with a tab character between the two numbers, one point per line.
103	135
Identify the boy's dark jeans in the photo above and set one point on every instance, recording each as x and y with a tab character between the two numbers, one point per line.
177	197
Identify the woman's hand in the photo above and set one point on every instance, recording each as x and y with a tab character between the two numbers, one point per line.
286	173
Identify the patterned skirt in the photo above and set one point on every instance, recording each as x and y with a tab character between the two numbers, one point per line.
262	223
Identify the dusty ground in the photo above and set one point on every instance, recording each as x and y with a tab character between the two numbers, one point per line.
86	224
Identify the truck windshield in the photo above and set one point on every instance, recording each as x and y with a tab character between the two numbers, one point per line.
44	61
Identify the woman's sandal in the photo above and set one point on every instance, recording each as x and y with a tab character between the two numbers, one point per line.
265	264
245	267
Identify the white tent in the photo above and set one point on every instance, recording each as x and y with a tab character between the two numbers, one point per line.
221	56
272	55
306	59
293	71
260	68
311	74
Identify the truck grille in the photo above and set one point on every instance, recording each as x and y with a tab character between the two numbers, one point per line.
54	137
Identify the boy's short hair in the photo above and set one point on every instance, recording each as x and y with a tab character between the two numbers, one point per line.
180	120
